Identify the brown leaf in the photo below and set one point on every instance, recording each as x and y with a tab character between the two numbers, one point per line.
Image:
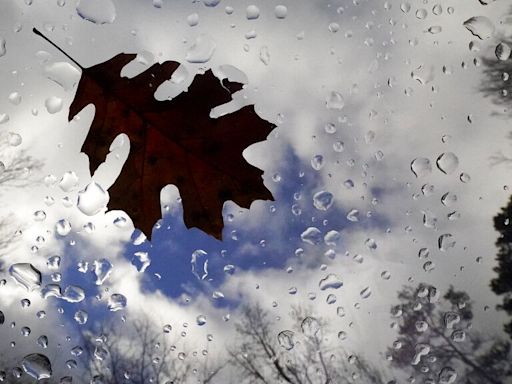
172	142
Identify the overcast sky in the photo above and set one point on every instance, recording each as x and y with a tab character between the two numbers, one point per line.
406	93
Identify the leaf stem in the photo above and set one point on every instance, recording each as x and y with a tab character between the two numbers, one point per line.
37	32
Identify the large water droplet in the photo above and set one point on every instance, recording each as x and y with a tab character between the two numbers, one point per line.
38	366
252	12
311	235
63	227
480	26
280	11
63	73
73	294
335	101
331	281
202	50
116	302
93	199
53	104
102	270
447	162
97	11
446	242
323	200
285	339
310	326
26	275
421	167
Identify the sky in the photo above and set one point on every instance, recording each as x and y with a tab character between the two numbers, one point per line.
362	85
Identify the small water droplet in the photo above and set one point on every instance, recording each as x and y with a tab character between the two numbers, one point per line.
503	51
335	101
323	200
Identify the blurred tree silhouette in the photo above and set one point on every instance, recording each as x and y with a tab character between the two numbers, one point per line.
262	354
436	341
502	285
138	353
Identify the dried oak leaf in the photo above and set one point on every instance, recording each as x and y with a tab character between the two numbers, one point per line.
172	142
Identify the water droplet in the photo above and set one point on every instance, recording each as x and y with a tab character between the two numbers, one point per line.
53	262
102	270
335	101
26	275
280	11
421	167
386	275
69	181
167	328
311	235
447	162
405	7
193	19
73	294
252	12
93	199
480	26
503	51
353	215
14	98
42	341
53	104
285	339
264	55
63	73
81	317
14	139
365	293
371	244
3	50
97	11
201	320
317	162
63	227
446	242
116	302
447	375
199	261
331	281
332	238
38	366
464	177
323	200
437	9
448	199
4	118
202	50
421	13
211	3
310	326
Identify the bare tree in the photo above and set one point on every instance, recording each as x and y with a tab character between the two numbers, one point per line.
436	341
139	353
301	355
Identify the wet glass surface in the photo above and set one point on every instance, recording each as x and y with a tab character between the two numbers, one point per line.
255	192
